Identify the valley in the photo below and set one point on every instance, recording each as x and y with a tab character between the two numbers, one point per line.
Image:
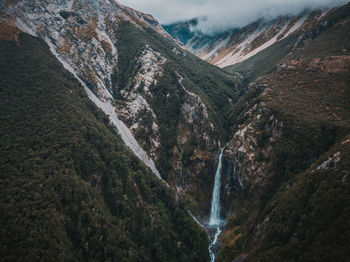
122	140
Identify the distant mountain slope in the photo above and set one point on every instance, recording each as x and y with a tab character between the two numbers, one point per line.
237	45
183	31
70	190
269	59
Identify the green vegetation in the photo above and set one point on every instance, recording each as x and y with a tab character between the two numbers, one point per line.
306	220
69	188
217	89
310	208
308	217
213	85
71	191
302	214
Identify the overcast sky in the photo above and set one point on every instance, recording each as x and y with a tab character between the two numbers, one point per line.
222	14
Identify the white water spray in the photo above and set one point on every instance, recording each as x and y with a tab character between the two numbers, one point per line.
214	219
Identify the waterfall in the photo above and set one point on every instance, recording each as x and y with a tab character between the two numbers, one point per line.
214	219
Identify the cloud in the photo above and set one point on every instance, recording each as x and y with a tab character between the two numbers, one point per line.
223	14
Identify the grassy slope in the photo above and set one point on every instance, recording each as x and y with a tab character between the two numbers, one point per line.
69	189
304	214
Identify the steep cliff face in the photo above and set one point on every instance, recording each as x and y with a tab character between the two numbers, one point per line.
131	103
251	145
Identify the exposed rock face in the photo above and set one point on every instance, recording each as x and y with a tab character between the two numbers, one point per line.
82	33
247	155
195	116
131	103
331	162
192	175
251	144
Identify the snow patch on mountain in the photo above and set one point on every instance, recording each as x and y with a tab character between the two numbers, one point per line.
214	51
232	57
255	51
296	25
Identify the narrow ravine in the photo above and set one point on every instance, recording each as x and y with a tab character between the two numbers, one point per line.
215	222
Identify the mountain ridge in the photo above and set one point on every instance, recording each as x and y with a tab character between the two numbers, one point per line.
238	44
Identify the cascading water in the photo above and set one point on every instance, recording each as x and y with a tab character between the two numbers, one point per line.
214	219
